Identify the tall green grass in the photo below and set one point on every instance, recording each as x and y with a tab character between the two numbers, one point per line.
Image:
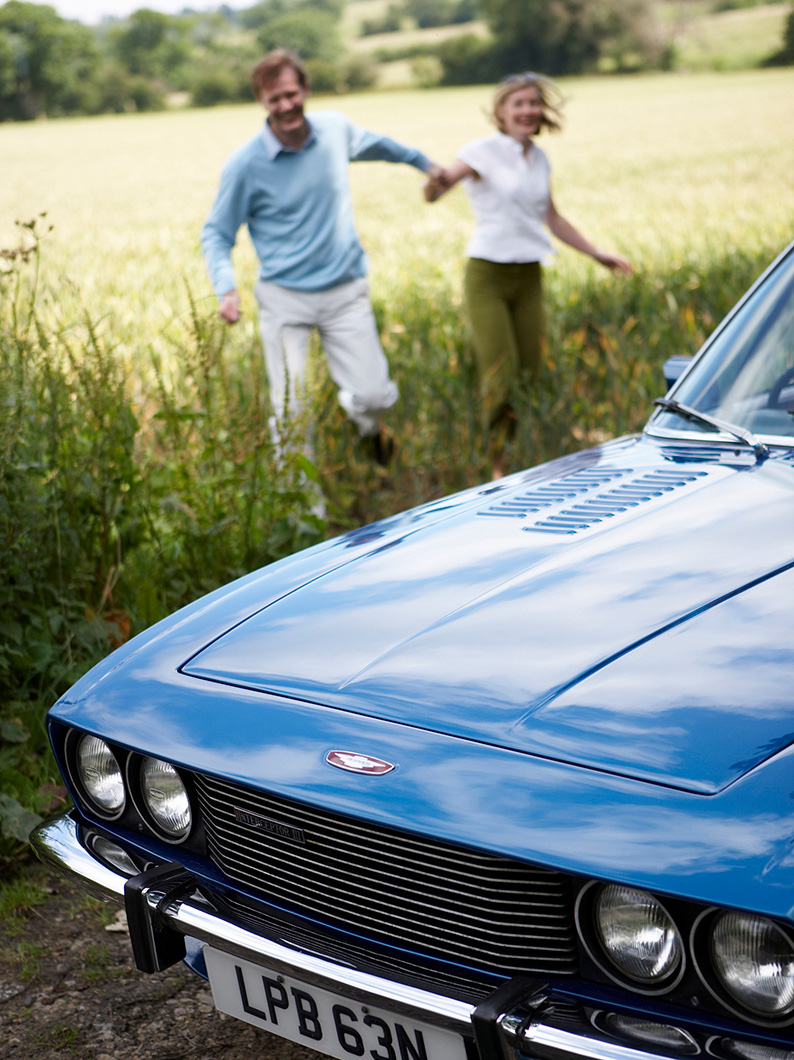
136	469
115	510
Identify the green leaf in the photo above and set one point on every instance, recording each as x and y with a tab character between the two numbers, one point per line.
15	821
13	731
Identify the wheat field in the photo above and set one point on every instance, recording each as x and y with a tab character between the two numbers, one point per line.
664	168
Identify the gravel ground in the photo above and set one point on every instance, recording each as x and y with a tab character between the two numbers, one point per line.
69	988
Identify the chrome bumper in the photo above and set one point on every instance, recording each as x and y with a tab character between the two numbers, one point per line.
57	843
517	1019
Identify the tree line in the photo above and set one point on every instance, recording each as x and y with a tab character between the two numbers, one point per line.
52	66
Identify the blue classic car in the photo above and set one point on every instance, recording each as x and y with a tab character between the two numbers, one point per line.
511	774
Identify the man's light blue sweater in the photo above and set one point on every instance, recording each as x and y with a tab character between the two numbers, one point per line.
297	205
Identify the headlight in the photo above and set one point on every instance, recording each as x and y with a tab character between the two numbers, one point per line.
754	962
100	775
636	933
165	798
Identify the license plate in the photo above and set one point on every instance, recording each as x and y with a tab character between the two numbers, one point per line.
321	1019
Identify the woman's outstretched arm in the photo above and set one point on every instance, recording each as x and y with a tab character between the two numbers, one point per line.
560	227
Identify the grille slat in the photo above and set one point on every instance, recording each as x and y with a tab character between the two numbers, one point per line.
453	867
341	886
451	904
497	896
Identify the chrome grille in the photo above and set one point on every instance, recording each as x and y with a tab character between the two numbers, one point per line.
452	904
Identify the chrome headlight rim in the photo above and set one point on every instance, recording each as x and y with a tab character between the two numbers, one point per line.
700	946
87	801
584	913
135	782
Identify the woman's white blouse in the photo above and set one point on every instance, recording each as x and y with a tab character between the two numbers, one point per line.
509	200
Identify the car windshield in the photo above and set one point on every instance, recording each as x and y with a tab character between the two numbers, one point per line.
745	378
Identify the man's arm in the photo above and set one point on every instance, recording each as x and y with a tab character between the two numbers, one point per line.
218	237
366	146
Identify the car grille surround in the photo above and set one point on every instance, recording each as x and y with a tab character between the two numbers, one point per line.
453	904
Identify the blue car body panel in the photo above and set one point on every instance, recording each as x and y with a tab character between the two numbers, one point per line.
475	654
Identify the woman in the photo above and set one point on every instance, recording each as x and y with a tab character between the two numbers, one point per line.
507	180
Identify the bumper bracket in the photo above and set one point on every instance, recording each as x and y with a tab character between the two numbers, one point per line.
155	945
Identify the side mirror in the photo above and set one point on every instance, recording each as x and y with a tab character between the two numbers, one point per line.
674	368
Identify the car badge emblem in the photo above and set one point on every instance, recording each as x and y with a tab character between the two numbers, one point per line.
268	824
358	763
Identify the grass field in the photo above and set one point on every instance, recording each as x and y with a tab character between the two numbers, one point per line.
662	167
685	174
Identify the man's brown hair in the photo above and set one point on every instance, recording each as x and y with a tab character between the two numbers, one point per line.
269	69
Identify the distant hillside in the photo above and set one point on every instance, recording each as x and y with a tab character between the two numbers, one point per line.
708	35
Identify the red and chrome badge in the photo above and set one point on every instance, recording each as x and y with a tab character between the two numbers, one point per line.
357	763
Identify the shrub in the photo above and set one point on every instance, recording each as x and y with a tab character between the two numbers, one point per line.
110	517
219	86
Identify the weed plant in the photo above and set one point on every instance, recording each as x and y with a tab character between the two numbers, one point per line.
114	511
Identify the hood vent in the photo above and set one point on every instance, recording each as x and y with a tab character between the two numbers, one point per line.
581	501
621	498
549	495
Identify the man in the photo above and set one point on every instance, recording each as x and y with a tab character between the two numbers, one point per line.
289	184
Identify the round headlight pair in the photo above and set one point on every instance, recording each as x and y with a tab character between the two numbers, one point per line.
751	957
162	792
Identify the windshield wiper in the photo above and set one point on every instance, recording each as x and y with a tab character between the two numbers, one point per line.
761	451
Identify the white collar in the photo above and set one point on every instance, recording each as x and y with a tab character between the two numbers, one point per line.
511	144
275	147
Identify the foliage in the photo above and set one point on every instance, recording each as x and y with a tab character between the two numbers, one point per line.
428	13
51	66
572	36
785	57
312	34
389	22
151	44
108	522
423	13
258	15
468	60
353	75
358	73
219	85
117	91
47	64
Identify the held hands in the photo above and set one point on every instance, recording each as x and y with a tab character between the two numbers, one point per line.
438	181
229	309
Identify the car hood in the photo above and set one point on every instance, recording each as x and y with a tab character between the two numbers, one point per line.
627	610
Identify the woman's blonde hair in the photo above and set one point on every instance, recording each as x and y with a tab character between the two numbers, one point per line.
550	95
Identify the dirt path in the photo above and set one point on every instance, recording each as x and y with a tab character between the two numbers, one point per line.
69	988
